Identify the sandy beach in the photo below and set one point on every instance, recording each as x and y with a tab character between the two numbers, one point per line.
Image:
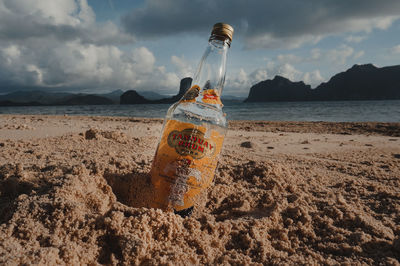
74	190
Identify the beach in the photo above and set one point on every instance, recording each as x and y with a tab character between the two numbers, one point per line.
75	190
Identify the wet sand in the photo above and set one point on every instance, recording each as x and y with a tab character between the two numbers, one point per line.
74	190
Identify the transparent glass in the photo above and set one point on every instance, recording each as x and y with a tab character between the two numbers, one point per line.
210	74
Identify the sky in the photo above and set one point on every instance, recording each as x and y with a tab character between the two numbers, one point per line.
97	46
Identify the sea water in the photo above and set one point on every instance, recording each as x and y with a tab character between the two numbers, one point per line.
334	111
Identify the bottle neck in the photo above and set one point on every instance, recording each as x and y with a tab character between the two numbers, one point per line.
210	74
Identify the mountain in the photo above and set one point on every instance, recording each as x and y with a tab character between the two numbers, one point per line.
361	82
29	98
113	96
183	87
151	95
10	103
279	89
85	100
133	97
40	97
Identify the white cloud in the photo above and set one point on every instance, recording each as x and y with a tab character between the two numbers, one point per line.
63	20
238	81
358	54
76	65
395	49
59	45
288	71
270	41
182	66
285	65
241	81
355	38
313	78
61	12
258	75
315	53
289	58
340	55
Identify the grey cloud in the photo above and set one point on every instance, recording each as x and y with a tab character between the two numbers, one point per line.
263	24
18	25
57	45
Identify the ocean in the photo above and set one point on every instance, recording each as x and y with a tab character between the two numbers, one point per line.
332	111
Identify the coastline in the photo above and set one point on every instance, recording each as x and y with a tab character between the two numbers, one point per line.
284	192
28	126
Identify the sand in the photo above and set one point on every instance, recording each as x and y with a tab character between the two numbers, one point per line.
74	190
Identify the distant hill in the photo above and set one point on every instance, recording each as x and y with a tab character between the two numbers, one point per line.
113	96
35	98
10	103
40	97
86	100
361	82
151	95
133	97
279	89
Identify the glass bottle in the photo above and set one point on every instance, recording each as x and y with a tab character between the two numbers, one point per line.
193	132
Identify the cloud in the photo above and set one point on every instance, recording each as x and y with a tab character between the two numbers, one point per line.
395	49
358	54
58	45
182	66
285	65
313	78
64	20
286	70
355	38
315	54
337	55
78	66
340	55
241	81
289	58
258	75
263	24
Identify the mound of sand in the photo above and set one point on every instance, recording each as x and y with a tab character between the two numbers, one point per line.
81	198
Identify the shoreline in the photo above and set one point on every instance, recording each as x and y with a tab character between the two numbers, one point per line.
343	128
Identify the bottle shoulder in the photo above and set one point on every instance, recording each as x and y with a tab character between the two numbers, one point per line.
197	113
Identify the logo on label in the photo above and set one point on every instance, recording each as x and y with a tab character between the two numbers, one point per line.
211	96
191	142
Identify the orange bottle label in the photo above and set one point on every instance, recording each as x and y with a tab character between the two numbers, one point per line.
211	97
184	164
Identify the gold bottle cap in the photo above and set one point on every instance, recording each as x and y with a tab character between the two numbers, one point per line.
223	29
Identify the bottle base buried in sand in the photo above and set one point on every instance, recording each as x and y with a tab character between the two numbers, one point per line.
185	213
